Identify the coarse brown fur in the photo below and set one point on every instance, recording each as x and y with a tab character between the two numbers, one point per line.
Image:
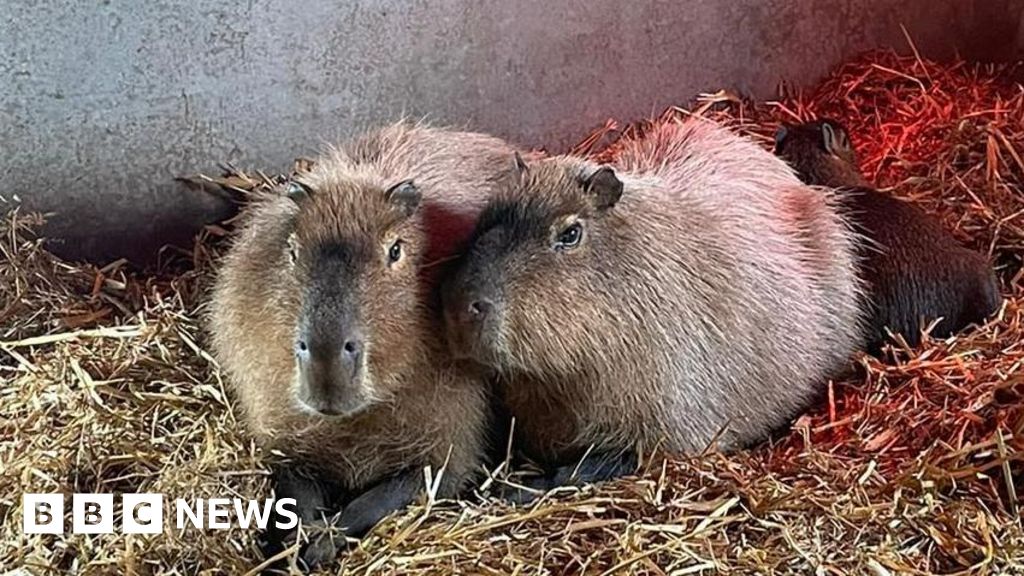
717	295
421	411
914	270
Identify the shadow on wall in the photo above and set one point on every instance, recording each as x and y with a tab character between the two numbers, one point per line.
1001	27
172	215
103	104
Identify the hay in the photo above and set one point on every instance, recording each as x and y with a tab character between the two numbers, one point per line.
913	466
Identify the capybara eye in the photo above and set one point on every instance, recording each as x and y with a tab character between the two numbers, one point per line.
395	252
297	191
570	237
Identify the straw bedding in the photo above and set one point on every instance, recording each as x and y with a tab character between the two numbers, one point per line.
913	465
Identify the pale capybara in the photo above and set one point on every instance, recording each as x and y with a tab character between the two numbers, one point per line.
322	318
915	271
693	292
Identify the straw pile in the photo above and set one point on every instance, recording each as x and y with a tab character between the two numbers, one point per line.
912	466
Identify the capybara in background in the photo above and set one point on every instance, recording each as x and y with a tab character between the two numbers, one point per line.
914	269
323	322
695	290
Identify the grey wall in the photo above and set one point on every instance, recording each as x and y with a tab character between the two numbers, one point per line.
103	102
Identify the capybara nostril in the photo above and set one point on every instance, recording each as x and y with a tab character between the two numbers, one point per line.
302	349
351	350
480	309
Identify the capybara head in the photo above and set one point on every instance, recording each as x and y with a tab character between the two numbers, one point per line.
532	291
355	299
820	152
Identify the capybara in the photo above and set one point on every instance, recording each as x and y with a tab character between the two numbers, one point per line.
914	270
694	290
323	320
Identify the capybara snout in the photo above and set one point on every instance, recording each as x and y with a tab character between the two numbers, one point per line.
331	344
473	310
331	370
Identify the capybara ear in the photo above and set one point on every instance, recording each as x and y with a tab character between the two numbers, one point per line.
780	136
297	191
405	196
519	168
519	164
604	187
834	138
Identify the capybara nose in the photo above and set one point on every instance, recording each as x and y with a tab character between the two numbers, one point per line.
331	371
330	362
477	313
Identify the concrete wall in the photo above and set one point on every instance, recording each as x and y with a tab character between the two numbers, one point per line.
103	102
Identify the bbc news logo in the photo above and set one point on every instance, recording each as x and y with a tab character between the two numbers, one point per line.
144	513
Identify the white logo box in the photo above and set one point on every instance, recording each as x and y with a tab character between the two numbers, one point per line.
143	513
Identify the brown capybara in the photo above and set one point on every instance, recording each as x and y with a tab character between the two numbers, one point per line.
914	270
695	290
323	322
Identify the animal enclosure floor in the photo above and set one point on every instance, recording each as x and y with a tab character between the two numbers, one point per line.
914	465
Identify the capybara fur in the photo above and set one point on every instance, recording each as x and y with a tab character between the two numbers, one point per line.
914	270
323	320
694	290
